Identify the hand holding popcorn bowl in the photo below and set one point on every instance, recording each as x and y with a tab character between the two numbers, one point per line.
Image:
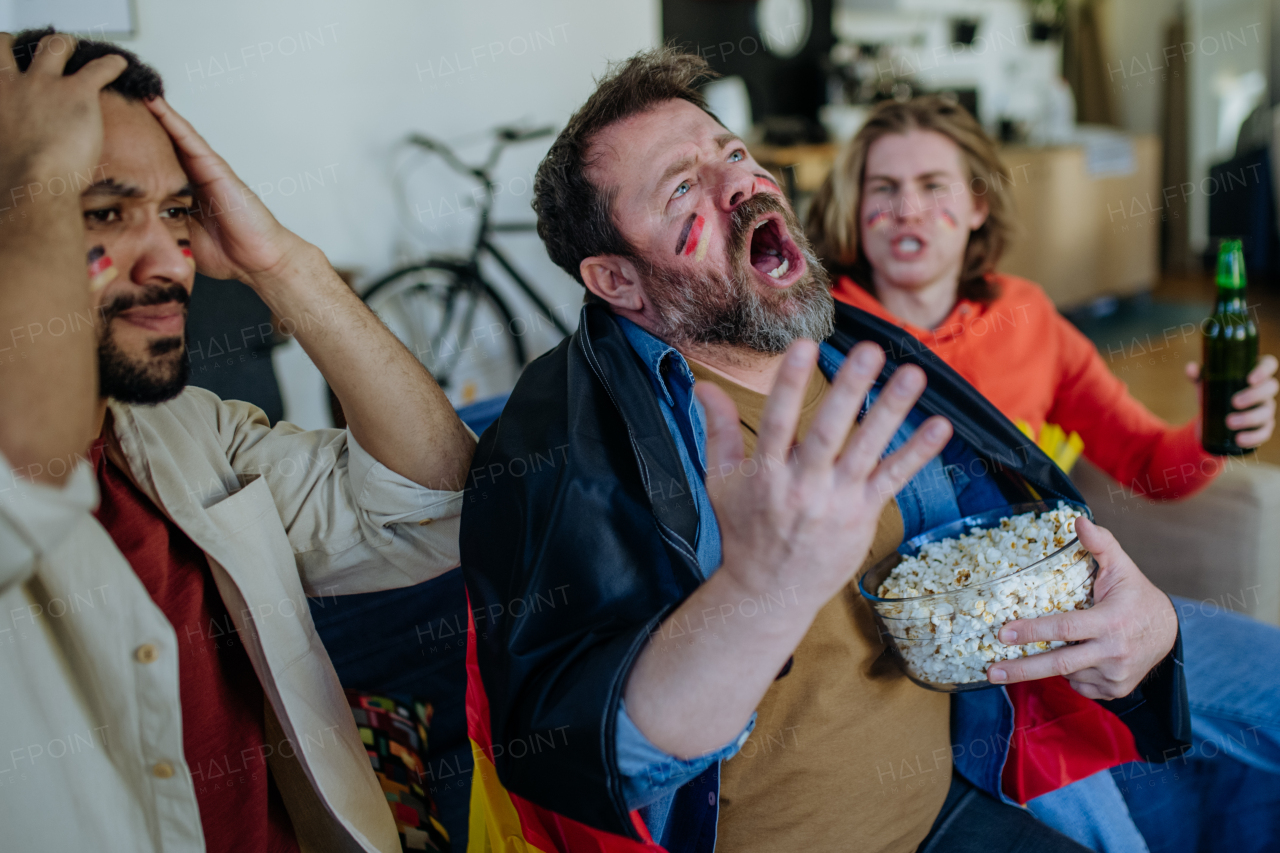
941	601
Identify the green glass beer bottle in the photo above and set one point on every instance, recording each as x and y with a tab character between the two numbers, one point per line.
1230	351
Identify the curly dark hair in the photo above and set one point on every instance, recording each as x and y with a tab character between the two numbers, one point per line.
575	218
138	81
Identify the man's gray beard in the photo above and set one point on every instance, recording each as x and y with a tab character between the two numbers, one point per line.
715	309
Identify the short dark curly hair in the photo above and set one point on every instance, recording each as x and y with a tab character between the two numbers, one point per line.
138	81
575	218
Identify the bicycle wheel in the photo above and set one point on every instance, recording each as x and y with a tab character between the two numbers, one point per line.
454	324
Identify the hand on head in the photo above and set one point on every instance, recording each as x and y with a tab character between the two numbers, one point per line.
233	235
51	124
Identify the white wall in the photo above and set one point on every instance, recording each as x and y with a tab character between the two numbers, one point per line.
1225	39
308	99
1136	61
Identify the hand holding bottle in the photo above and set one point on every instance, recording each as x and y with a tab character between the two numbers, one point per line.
1231	364
1255	407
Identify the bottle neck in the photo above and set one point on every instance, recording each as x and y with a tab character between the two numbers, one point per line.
1231	297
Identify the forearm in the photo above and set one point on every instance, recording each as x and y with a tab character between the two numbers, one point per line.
1180	467
702	674
1162	464
392	405
48	382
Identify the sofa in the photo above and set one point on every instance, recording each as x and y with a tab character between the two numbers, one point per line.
1221	546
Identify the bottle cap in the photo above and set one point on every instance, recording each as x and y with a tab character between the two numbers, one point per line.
1231	265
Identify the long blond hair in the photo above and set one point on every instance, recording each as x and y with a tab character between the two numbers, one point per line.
833	222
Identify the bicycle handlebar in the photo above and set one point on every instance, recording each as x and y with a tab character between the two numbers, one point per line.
447	153
517	134
423	142
503	136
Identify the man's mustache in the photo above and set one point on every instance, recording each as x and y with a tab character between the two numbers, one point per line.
153	294
746	213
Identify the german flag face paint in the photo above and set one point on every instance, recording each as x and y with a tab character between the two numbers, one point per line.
948	220
102	270
185	245
879	218
694	237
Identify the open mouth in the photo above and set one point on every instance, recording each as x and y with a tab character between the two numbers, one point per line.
773	253
907	247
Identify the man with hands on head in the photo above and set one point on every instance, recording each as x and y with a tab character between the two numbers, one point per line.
715	676
204	711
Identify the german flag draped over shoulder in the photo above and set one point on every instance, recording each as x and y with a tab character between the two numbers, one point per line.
502	822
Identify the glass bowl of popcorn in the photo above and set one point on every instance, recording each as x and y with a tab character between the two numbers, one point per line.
941	600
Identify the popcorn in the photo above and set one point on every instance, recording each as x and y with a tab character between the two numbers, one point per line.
975	587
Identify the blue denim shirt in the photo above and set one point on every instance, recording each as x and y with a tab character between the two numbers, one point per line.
934	497
651	776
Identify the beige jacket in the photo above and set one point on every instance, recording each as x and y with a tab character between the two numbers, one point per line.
91	753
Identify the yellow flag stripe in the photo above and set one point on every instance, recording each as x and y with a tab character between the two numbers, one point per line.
495	824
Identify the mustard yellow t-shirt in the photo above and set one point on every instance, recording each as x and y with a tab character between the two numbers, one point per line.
847	753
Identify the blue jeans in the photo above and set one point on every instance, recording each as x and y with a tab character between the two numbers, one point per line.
1233	681
1225	793
1091	812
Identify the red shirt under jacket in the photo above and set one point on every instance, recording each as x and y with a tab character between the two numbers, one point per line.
222	700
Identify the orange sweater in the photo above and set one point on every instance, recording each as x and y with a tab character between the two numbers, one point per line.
1033	365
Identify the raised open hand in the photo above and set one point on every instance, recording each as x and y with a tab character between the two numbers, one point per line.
805	518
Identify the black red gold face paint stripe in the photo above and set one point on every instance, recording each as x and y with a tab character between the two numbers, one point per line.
186	252
102	270
697	238
684	233
879	218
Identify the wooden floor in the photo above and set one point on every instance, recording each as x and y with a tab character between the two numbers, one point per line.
1156	376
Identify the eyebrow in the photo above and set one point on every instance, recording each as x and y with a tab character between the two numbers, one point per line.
922	176
722	141
112	188
674	169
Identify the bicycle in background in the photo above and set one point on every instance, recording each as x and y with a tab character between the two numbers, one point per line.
448	312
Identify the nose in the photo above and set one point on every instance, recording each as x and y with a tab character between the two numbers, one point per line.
159	258
734	186
911	205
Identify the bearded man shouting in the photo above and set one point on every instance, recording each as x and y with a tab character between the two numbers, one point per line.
671	581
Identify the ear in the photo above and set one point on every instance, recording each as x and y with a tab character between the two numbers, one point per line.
615	280
980	212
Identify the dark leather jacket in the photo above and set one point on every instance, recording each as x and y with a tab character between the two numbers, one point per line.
569	493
